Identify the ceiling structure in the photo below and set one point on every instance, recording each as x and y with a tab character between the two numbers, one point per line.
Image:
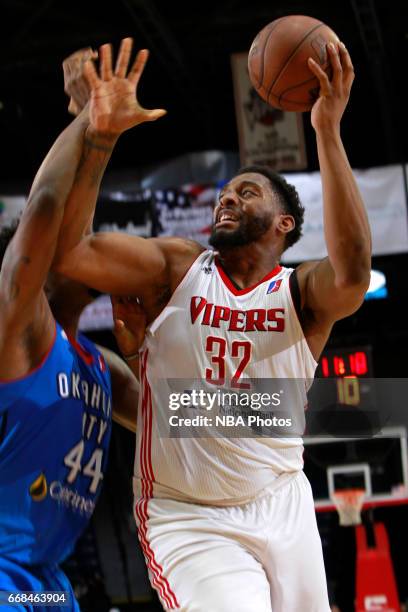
189	73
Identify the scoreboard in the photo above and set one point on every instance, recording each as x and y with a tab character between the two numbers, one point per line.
343	398
351	372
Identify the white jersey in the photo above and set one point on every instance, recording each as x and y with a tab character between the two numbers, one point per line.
224	336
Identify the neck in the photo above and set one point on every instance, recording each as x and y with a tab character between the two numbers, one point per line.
247	265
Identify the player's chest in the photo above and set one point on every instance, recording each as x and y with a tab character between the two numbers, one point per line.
210	327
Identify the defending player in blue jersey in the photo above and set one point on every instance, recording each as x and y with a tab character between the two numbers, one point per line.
55	386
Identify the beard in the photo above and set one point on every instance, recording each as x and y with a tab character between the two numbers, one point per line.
250	229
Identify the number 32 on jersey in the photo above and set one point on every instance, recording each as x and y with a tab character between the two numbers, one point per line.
218	350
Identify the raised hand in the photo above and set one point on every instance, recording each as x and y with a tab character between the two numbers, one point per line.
114	107
328	109
129	325
75	84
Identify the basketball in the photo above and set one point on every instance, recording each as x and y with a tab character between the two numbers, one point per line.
277	61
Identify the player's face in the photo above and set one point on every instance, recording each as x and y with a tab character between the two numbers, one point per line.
245	212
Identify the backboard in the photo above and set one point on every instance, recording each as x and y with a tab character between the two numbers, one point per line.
378	464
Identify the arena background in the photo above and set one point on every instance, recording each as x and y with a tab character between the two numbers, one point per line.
189	73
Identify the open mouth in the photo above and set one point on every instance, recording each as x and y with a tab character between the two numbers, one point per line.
226	218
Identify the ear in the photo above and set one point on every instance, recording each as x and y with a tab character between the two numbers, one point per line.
285	224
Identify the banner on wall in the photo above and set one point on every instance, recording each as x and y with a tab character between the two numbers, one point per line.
267	136
185	212
383	193
97	316
125	211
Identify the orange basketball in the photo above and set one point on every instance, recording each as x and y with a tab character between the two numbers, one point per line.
277	61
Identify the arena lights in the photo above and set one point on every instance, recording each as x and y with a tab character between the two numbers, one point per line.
378	286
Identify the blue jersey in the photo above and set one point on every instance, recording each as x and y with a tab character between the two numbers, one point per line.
55	426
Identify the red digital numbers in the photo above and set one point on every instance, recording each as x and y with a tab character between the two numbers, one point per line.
341	365
358	363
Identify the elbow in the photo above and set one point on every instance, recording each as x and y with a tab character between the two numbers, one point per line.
356	282
43	203
357	278
356	271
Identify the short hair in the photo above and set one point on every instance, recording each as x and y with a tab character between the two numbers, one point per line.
288	197
6	235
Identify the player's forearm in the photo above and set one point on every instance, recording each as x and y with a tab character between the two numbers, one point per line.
57	171
27	263
124	421
346	227
125	390
80	207
126	397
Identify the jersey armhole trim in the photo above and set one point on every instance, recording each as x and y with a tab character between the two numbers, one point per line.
84	354
295	298
295	293
37	367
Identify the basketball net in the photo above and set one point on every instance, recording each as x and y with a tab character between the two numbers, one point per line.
348	503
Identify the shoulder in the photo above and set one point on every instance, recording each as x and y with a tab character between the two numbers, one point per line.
304	269
180	254
178	247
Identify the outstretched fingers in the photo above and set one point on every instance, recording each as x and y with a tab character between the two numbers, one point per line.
122	62
152	115
105	54
91	75
138	66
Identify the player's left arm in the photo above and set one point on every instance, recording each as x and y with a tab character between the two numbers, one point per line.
335	287
125	390
129	329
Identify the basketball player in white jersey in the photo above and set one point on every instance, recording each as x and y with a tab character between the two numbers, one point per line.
228	524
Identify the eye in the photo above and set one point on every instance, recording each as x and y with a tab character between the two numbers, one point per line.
247	193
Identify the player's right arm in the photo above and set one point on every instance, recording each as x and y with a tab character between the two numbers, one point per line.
119	264
116	263
108	262
112	262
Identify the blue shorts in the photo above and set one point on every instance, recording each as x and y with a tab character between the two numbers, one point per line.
39	578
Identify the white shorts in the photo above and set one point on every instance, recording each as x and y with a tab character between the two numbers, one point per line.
264	556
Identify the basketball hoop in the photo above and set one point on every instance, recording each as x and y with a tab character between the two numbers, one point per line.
348	504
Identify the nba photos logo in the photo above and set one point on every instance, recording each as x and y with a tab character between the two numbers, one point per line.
274	286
